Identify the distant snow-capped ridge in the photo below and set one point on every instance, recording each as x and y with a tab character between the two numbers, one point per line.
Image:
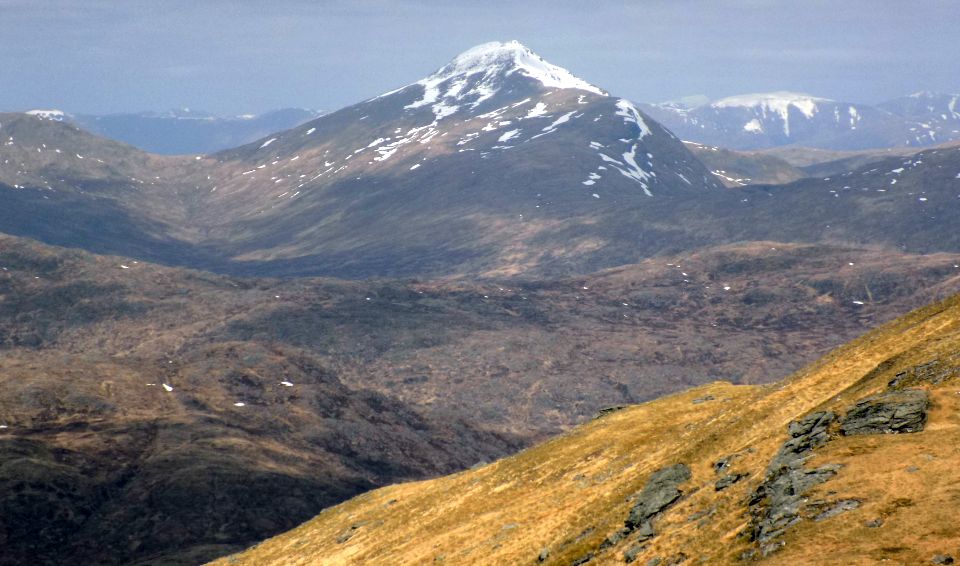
761	120
778	102
57	115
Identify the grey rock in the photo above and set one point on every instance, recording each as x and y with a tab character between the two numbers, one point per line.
805	435
728	480
942	559
631	554
888	413
704	399
810	424
544	554
873	523
608	410
776	503
655	561
933	372
722	464
658	494
646	531
832	509
583	559
615	538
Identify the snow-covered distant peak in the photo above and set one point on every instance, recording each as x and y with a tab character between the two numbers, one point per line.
772	103
778	102
512	57
477	74
57	115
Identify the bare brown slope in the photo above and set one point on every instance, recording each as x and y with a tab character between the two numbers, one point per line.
889	496
739	168
65	186
124	439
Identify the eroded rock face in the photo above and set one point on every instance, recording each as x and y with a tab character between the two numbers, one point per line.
805	435
933	372
660	491
728	480
777	501
890	412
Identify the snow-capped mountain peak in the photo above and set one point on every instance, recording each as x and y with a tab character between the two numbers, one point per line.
57	115
772	103
778	102
478	73
508	58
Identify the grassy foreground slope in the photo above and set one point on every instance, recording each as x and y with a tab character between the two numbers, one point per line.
886	497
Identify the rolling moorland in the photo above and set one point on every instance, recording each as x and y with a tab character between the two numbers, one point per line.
851	460
125	383
199	352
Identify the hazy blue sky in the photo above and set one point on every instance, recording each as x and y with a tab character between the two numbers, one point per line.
230	57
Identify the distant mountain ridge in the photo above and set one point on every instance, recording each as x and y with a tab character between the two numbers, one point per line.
185	131
764	120
499	164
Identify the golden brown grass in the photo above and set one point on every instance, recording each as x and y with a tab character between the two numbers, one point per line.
568	494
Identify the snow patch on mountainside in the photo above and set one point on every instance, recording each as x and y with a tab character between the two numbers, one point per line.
631	115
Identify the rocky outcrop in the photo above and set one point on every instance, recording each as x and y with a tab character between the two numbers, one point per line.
659	493
728	480
609	410
805	435
933	372
890	412
780	500
776	502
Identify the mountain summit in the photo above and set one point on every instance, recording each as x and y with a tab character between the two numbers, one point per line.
478	74
460	171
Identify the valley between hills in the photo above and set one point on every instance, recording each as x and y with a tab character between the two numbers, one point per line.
404	317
